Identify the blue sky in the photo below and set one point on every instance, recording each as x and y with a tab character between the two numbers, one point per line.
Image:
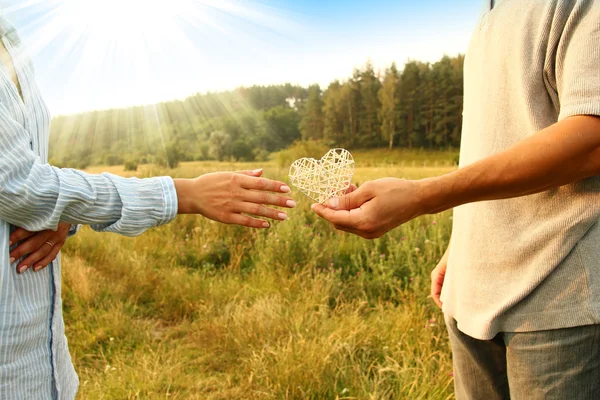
98	54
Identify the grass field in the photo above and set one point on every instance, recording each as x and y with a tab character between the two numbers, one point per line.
198	310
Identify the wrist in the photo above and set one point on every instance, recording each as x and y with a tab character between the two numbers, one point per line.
434	195
183	187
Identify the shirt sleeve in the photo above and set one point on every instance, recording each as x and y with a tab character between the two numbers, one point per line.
578	61
37	196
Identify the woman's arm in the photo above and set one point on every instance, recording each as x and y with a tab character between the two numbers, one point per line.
37	196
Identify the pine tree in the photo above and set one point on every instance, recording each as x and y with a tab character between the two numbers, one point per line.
389	99
409	85
334	114
369	130
312	124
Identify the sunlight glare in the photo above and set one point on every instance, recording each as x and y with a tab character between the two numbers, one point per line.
116	53
118	19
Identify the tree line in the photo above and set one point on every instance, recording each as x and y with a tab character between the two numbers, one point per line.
418	106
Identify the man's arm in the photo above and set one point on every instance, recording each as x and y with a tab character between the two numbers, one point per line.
566	152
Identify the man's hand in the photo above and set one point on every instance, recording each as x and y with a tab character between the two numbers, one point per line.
375	208
437	278
227	197
40	248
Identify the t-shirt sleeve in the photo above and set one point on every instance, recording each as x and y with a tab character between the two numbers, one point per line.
578	61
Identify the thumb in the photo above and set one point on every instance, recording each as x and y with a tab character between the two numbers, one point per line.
350	201
256	172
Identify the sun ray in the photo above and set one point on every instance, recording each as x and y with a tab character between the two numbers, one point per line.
137	39
131	44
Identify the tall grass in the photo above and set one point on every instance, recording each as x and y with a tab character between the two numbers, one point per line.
198	310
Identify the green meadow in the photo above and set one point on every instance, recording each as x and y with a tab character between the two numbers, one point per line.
199	310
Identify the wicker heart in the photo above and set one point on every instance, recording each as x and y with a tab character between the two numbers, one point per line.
326	178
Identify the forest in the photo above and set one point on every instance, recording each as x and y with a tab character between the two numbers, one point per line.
416	106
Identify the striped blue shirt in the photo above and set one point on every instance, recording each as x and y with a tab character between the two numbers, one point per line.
34	357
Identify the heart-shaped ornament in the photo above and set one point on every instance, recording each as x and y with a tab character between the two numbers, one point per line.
326	178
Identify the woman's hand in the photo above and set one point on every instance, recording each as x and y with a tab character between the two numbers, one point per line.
227	197
40	248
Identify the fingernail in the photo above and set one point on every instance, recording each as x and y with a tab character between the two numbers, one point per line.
334	203
22	269
38	268
12	260
257	171
265	225
290	203
282	216
9	243
286	189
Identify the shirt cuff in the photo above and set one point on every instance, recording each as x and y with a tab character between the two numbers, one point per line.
171	199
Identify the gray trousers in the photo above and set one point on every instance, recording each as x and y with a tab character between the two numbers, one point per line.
560	364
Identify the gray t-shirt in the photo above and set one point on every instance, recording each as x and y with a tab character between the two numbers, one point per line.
530	263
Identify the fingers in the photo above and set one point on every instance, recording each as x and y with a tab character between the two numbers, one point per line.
348	221
244	220
339	218
351	201
256	172
437	282
19	235
39	249
269	199
351	189
30	245
44	262
262	184
436	300
35	259
262	211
